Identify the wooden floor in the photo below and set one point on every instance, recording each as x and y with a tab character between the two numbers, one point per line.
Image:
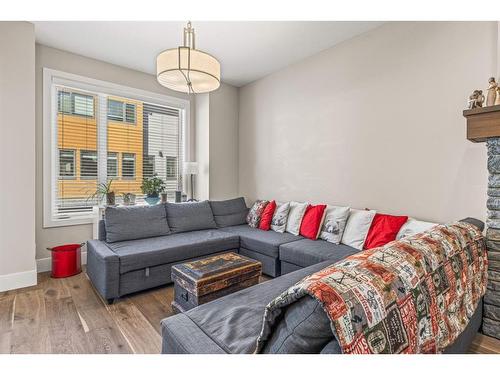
68	316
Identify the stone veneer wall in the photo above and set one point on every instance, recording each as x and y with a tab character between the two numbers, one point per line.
491	315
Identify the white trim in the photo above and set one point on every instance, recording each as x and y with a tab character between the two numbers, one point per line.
17	280
45	264
50	77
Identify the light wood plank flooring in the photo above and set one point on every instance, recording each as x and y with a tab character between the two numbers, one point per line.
68	316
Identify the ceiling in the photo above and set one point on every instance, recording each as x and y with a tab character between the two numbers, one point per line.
247	50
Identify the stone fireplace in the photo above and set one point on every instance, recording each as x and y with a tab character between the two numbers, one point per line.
483	125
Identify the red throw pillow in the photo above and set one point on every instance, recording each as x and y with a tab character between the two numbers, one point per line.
312	221
384	229
267	216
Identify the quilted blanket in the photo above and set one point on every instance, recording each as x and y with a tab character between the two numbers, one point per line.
415	295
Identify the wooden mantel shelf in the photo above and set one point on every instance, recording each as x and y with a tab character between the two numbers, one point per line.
483	123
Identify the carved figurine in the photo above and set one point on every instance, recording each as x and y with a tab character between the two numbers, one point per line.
480	98
497	100
474	100
492	92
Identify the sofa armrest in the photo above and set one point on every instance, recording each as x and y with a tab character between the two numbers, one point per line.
103	269
181	336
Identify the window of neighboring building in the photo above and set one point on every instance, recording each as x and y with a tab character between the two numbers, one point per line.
88	164
148	166
72	103
121	111
171	167
112	167
128	165
66	163
130	113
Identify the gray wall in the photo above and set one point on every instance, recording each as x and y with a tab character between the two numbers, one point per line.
373	122
224	142
17	154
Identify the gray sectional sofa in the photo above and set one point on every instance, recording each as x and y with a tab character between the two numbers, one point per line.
137	246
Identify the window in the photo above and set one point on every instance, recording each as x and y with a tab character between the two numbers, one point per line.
66	163
86	144
72	103
88	164
121	111
128	166
148	166
130	113
171	167
112	168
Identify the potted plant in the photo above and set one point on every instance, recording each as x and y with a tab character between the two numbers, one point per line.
152	187
128	199
104	190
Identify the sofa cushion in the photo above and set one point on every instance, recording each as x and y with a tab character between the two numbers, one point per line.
260	241
307	252
185	217
130	223
148	252
229	212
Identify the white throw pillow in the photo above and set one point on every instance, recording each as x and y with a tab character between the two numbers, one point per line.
334	223
280	217
413	226
357	228
297	211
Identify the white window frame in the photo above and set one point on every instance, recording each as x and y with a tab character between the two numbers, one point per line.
53	77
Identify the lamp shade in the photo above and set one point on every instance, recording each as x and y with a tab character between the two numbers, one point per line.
177	66
190	167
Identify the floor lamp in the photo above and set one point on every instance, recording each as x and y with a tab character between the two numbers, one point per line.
191	168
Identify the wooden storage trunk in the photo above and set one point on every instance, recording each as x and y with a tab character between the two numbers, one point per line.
204	280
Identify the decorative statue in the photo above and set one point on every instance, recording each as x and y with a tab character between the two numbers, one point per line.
497	100
480	99
492	92
476	99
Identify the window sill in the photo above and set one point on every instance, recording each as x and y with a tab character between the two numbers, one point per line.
70	221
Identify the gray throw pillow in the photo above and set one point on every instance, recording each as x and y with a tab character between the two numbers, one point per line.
131	223
229	212
185	217
304	328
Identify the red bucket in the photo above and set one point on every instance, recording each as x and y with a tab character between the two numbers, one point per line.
66	260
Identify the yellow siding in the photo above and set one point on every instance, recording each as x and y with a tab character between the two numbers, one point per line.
80	133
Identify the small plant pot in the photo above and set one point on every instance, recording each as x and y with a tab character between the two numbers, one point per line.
110	199
163	197
129	199
152	200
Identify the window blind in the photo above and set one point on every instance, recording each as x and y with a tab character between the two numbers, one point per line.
104	139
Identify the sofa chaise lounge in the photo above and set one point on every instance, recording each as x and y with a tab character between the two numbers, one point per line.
232	323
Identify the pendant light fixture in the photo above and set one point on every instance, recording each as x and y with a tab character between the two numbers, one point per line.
187	69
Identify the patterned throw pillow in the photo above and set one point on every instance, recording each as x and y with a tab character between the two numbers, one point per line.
280	217
253	217
334	224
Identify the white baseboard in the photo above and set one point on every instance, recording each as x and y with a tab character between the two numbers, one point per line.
17	280
45	264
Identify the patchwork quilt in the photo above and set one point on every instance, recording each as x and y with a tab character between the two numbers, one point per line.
415	295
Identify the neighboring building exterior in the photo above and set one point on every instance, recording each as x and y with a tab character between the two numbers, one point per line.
142	140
